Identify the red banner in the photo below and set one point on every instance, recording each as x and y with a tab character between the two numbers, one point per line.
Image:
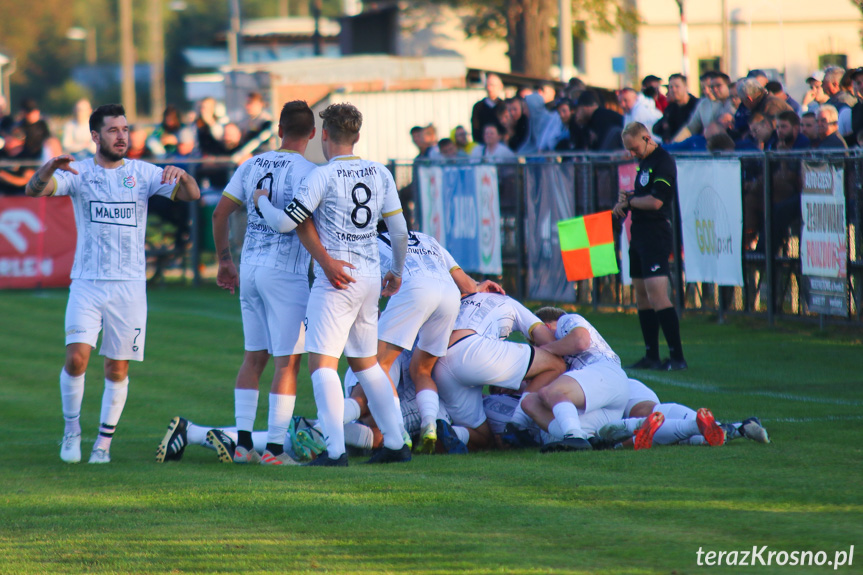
37	242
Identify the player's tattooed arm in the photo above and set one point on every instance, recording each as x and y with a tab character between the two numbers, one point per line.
42	182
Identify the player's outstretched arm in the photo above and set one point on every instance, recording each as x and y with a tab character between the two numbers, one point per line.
334	269
42	183
187	186
227	276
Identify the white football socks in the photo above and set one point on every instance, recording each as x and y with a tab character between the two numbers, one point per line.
379	391
113	401
71	393
428	402
245	408
352	410
331	409
359	435
281	412
566	415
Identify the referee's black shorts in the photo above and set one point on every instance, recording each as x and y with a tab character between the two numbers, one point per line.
649	249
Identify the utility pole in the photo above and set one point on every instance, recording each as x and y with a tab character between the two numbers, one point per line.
684	39
234	40
127	59
564	33
157	59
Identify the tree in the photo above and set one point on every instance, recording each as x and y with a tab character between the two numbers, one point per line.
526	25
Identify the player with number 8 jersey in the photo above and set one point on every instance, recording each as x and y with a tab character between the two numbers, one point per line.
348	196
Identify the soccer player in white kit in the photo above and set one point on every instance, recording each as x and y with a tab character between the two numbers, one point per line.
274	289
478	355
108	292
593	392
348	196
426	305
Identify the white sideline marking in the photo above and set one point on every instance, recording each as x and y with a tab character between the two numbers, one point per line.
774	394
813	419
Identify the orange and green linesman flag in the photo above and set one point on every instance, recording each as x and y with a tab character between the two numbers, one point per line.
587	246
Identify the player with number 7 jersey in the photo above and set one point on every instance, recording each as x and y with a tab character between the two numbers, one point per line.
348	196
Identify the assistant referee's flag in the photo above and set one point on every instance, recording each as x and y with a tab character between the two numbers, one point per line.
587	246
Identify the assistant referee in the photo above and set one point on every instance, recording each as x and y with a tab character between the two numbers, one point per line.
651	204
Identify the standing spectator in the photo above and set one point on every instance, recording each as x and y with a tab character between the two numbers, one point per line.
650	87
77	140
832	84
210	128
788	136
638	108
680	107
759	76
483	111
460	137
138	144
448	149
518	124
851	119
704	84
815	96
257	126
493	150
809	128
651	205
776	90
557	128
420	139
762	132
14	178
163	141
828	128
709	110
601	126
755	99
35	129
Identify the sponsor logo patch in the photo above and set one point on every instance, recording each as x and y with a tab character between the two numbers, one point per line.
114	213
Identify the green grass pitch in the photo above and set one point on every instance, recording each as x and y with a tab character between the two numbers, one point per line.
616	512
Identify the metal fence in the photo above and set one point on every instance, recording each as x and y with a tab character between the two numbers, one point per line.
771	186
180	236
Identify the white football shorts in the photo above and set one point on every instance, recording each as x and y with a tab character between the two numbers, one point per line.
473	362
638	392
117	308
424	306
343	321
273	304
606	392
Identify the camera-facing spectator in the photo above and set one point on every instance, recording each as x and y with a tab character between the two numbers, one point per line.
681	104
210	128
828	128
709	110
14	179
788	135
425	146
257	126
163	141
484	111
138	149
651	87
516	124
448	149
832	85
493	150
814	96
459	135
36	130
77	140
809	128
638	108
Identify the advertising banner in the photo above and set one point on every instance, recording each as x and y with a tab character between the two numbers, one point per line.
37	242
712	214
550	195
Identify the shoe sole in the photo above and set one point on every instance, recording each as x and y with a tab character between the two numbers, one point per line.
162	450
305	441
755	432
713	434
222	450
75	457
644	435
427	445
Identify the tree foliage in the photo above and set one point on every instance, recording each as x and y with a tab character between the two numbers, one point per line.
526	25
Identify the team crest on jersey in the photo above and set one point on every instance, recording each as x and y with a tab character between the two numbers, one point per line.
644	179
129	182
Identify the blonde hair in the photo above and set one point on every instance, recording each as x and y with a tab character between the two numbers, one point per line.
342	122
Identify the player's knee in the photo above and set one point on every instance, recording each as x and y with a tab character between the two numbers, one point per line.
76	362
256	360
116	370
531	404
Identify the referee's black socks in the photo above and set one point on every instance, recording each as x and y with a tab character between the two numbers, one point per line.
649	322
671	330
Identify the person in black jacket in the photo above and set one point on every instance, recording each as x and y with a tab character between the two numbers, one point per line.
651	205
680	106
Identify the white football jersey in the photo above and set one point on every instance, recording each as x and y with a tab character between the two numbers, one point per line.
349	196
598	350
111	216
494	316
281	173
426	258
